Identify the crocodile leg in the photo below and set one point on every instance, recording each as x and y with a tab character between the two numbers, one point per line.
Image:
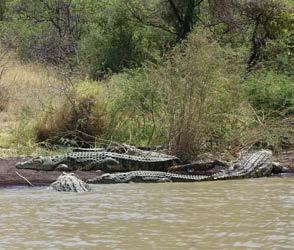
64	167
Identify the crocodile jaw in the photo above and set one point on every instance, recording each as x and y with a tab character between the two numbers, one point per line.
106	179
36	163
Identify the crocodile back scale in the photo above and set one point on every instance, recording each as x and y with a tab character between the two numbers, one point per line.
257	164
97	160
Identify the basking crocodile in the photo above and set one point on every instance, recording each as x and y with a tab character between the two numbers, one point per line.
97	160
70	183
254	165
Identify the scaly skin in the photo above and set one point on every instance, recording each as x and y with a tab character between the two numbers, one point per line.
254	165
70	183
106	161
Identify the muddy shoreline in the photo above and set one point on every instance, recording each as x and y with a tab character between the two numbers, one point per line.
9	177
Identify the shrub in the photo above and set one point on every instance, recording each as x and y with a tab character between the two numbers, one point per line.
190	100
18	34
79	119
270	93
200	88
134	108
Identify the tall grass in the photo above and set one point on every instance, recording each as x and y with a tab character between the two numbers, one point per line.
25	90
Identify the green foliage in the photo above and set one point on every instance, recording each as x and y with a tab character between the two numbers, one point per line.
164	83
270	93
100	37
262	29
2	9
115	42
176	17
108	36
278	53
189	101
135	109
18	34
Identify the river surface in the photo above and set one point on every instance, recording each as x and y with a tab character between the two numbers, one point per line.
234	214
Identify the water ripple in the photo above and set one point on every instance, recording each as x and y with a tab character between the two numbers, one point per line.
243	214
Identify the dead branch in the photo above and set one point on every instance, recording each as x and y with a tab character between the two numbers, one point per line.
24	179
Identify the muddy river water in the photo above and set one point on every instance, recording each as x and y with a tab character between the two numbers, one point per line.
234	214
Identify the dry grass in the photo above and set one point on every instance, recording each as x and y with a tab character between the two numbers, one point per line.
26	89
28	85
78	123
42	105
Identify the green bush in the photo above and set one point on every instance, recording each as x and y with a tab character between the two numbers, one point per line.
112	42
19	34
270	93
134	109
189	101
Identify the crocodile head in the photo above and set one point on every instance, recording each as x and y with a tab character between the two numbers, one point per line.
106	179
37	163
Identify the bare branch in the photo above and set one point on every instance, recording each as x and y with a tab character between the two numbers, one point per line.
24	179
146	20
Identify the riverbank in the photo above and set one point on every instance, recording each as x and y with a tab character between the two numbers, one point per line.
286	158
9	176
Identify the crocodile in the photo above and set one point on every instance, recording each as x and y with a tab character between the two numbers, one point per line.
257	164
99	160
69	183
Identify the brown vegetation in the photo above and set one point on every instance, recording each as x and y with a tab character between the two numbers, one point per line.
26	89
73	123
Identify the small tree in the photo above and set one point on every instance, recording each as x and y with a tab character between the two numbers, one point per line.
260	23
174	16
60	23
